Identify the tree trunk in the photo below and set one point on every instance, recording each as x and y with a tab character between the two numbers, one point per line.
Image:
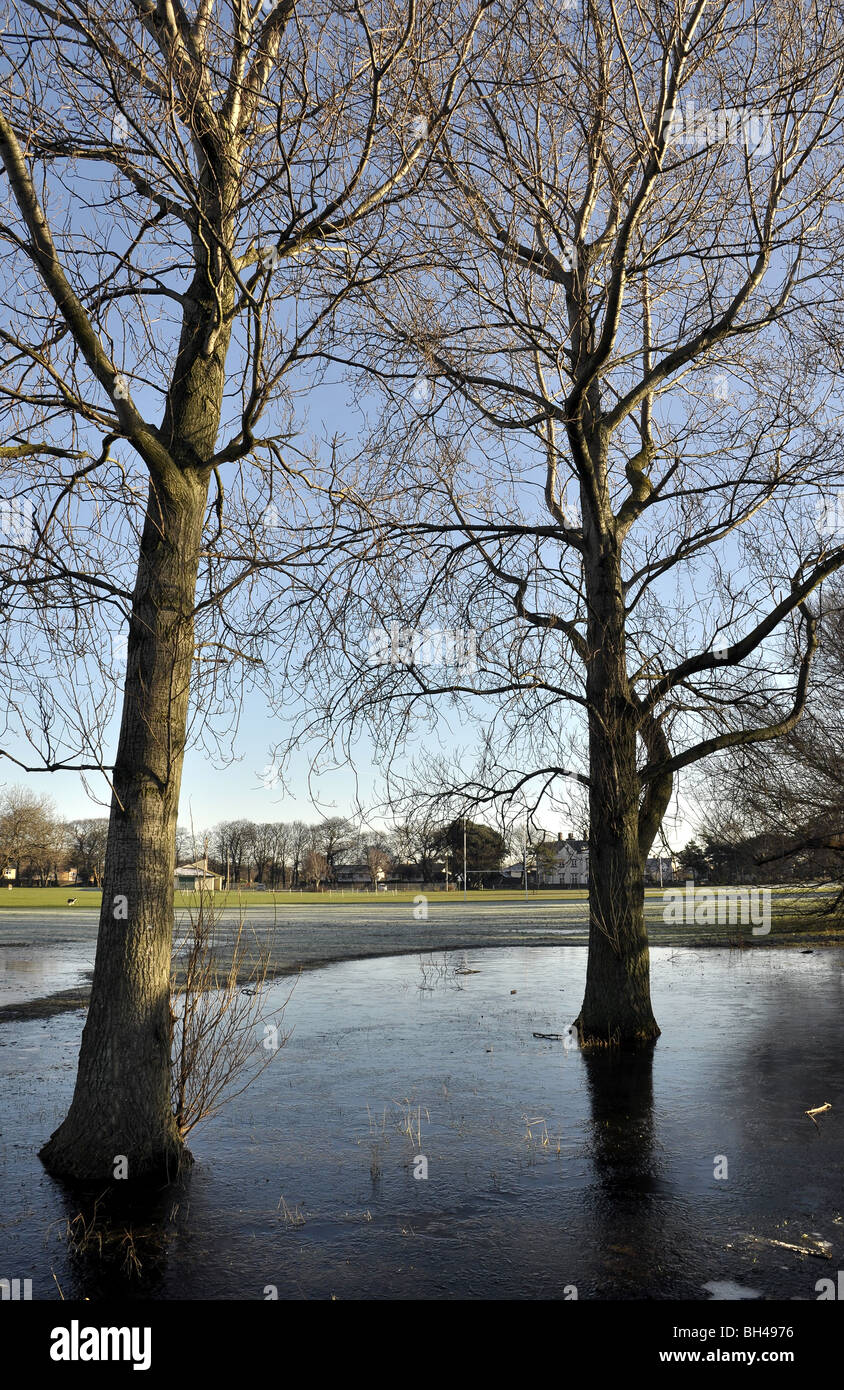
122	1101
122	1104
616	1009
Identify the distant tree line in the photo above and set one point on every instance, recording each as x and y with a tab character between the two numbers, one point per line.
293	854
38	846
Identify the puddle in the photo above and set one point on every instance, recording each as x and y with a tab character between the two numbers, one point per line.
547	1170
30	972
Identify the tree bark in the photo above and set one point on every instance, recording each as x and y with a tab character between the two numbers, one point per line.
616	1009
122	1104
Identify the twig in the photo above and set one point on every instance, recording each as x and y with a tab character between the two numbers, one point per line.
800	1249
818	1110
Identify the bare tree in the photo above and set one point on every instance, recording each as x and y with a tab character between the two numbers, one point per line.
151	320
189	845
315	867
279	853
29	836
378	861
87	840
417	839
403	843
262	839
230	840
299	842
622	338
333	839
265	847
217	1017
48	851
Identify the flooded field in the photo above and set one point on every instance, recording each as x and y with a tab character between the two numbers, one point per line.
46	957
414	1139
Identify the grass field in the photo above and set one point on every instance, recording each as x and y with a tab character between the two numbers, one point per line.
791	903
88	897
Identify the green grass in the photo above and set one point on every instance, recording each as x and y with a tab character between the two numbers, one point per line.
784	897
48	897
57	897
398	896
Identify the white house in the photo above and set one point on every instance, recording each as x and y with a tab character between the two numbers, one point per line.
564	863
569	867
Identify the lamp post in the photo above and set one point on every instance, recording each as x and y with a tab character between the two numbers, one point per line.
465	879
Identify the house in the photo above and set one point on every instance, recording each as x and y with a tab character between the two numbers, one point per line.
411	876
352	875
189	878
406	876
560	863
564	862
